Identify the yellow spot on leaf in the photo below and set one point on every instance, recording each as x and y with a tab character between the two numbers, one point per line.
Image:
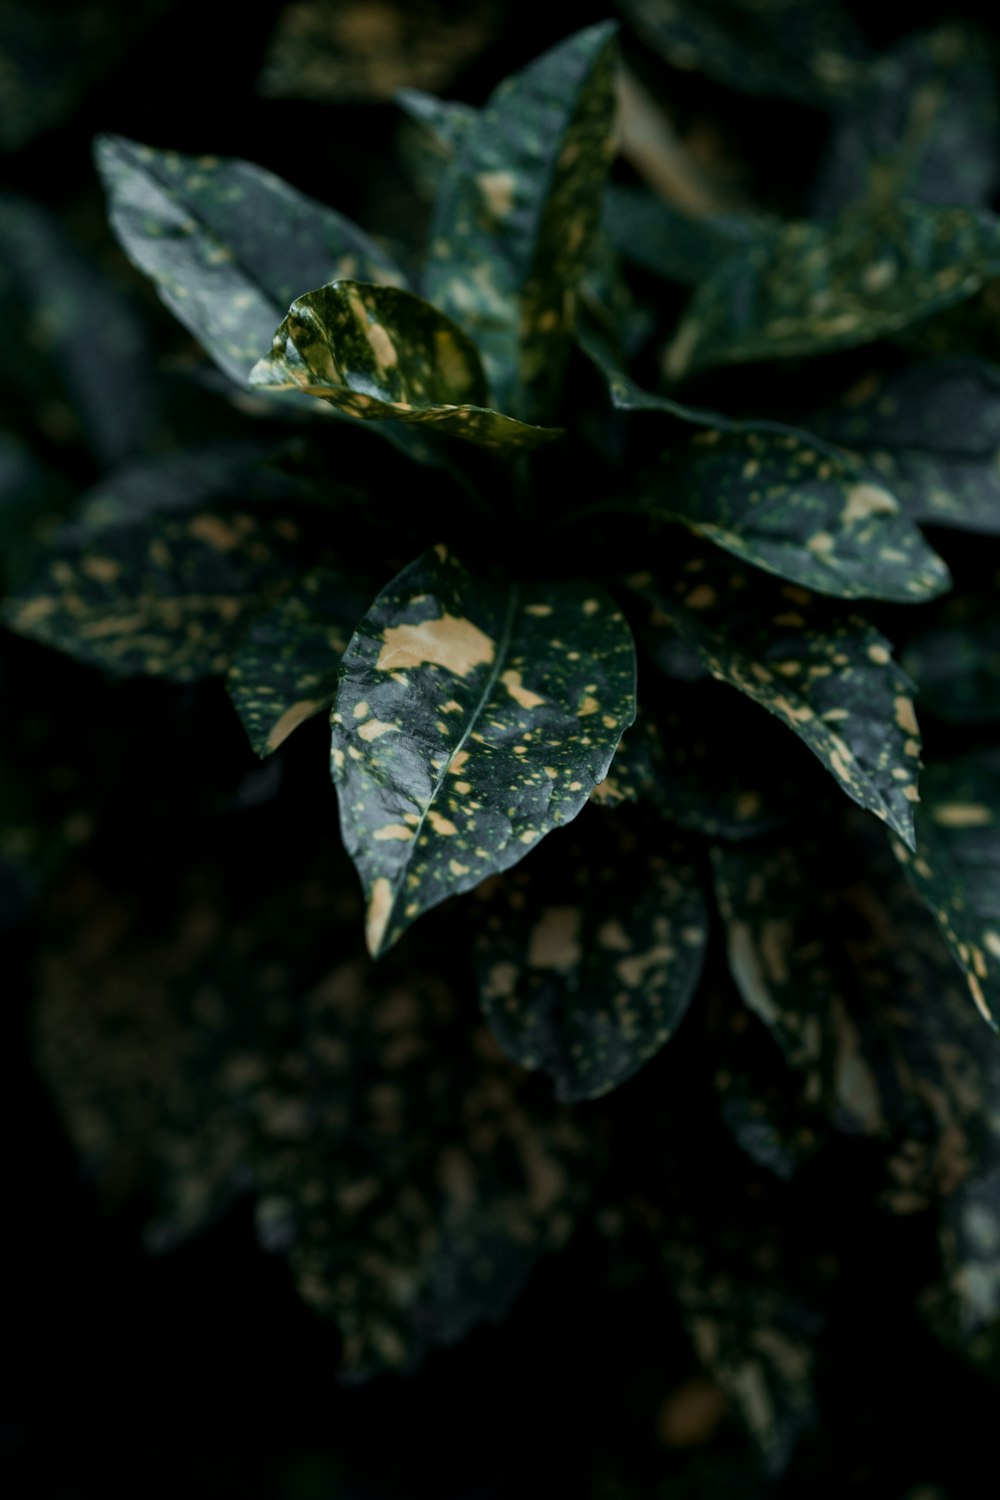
588	705
962	815
393	831
498	189
373	729
541	610
441	824
450	642
377	918
291	719
522	695
555	938
904	715
864	500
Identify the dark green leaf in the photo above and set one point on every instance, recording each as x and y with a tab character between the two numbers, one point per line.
378	352
197	1056
830	677
956	661
590	952
652	234
802	510
163	561
956	868
431	139
807	50
227	244
75	348
812	288
516	213
284	669
931	431
926	127
473	716
828	948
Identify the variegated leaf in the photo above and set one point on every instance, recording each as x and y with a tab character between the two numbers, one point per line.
589	953
379	352
829	948
807	50
474	715
515	215
812	288
227	244
829	676
284	669
931	431
162	563
956	868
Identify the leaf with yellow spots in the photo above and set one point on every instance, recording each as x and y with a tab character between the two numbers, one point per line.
162	563
956	868
284	669
830	949
227	244
588	955
197	1056
516	212
797	508
925	127
828	676
812	288
807	50
380	353
474	715
931	431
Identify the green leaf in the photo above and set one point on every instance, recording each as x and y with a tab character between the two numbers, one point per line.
931	431
658	237
516	213
163	561
79	357
830	677
590	952
378	352
197	1056
956	868
956	661
812	288
807	50
430	143
284	669
227	244
925	127
830	949
799	509
474	715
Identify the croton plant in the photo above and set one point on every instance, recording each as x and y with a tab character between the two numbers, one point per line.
676	561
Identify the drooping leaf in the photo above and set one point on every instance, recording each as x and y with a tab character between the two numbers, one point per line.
343	51
379	352
474	715
163	561
797	508
829	676
589	953
807	50
828	948
956	868
812	288
227	244
931	431
198	1057
75	349
516	212
955	662
284	669
925	126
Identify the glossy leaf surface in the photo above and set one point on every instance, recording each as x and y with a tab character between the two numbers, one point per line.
473	716
829	677
227	244
590	952
813	288
379	352
515	215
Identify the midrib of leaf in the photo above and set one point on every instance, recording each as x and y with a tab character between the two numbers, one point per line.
503	645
